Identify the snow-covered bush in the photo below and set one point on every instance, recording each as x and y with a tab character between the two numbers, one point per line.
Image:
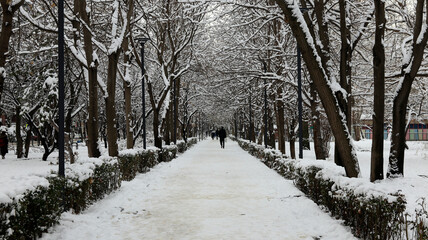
32	213
167	153
371	213
135	161
29	215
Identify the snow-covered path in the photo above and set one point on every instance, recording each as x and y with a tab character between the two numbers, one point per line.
206	193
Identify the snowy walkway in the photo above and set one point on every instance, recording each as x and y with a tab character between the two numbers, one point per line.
206	193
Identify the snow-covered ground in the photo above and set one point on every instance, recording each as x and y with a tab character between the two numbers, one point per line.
206	193
18	175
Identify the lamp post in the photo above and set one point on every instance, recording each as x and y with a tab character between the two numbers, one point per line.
299	96
61	169
265	113
143	71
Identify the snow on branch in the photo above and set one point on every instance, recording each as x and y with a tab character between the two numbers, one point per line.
37	24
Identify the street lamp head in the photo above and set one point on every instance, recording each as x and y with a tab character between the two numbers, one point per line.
143	40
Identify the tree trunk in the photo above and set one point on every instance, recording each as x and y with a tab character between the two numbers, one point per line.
376	171
322	83
271	130
305	140
409	71
260	137
345	74
68	139
280	120
92	64
18	132
28	142
128	112
6	32
177	96
111	104
292	139
316	123
157	138
398	137
356	125
167	129
127	80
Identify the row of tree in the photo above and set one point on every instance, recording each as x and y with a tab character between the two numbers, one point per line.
214	61
360	56
102	70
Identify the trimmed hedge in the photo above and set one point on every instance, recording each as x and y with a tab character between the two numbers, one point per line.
137	161
370	216
33	213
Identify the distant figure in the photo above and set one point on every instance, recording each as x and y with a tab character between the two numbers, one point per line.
3	144
213	135
216	134
222	136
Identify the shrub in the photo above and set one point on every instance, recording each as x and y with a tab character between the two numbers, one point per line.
370	214
32	213
136	161
167	153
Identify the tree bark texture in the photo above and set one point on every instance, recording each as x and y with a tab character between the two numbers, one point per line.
18	132
292	138
126	82
318	147
280	120
111	104
92	64
6	32
409	71
376	170
320	77
345	72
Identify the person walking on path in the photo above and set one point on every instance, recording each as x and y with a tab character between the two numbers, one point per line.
222	136
3	144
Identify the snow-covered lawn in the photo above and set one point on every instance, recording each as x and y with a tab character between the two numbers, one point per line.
206	193
18	175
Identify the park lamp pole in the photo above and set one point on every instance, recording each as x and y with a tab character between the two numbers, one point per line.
61	168
143	89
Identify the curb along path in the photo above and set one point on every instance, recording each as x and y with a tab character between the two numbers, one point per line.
206	193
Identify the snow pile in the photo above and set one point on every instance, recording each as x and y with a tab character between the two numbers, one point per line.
84	167
14	188
368	208
329	171
137	151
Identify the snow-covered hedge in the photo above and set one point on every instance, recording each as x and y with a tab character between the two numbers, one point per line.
370	212
30	214
133	161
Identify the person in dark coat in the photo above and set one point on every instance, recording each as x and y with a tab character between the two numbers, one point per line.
3	144
222	136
